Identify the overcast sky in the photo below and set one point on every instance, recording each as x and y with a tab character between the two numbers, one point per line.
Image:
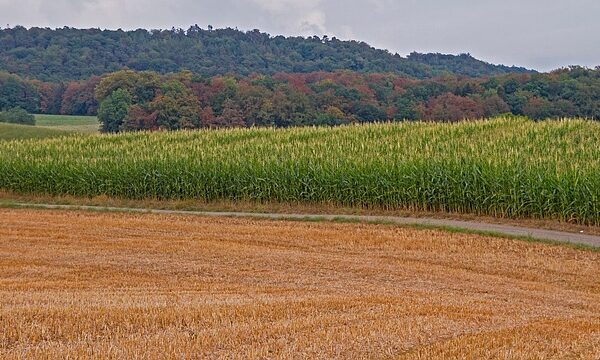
540	34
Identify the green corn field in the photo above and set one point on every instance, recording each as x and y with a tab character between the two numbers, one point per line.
502	167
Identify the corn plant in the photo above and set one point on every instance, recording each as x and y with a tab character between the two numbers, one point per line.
503	167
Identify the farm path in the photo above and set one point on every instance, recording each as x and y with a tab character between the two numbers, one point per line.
509	230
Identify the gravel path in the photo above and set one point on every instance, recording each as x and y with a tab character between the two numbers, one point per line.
538	234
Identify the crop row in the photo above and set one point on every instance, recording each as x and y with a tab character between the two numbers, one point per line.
505	167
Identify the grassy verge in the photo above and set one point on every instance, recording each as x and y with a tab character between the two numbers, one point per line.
7	198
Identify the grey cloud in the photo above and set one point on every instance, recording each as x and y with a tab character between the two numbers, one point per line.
533	33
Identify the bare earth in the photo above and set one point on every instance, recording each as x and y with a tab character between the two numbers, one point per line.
108	285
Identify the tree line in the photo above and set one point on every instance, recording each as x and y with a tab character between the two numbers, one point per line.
129	100
76	54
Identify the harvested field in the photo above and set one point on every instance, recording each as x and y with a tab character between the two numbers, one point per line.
104	285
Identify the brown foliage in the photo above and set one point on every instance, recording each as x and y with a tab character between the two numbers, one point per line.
449	108
79	97
231	116
140	119
207	118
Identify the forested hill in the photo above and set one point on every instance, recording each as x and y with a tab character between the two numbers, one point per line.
464	64
72	54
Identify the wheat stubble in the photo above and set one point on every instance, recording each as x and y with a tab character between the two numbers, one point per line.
101	285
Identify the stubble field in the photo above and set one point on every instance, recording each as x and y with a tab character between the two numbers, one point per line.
106	285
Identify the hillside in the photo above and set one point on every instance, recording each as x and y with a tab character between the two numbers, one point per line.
73	54
463	64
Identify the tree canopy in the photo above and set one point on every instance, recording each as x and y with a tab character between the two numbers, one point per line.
148	101
17	116
130	100
76	54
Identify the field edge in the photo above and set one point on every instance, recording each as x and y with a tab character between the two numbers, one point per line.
526	234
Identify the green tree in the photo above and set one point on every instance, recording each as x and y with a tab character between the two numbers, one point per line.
332	116
405	110
15	92
141	86
176	113
113	110
17	116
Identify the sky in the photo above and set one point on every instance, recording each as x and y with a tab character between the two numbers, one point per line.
539	34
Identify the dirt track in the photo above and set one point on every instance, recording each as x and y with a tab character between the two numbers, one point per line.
114	285
519	231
